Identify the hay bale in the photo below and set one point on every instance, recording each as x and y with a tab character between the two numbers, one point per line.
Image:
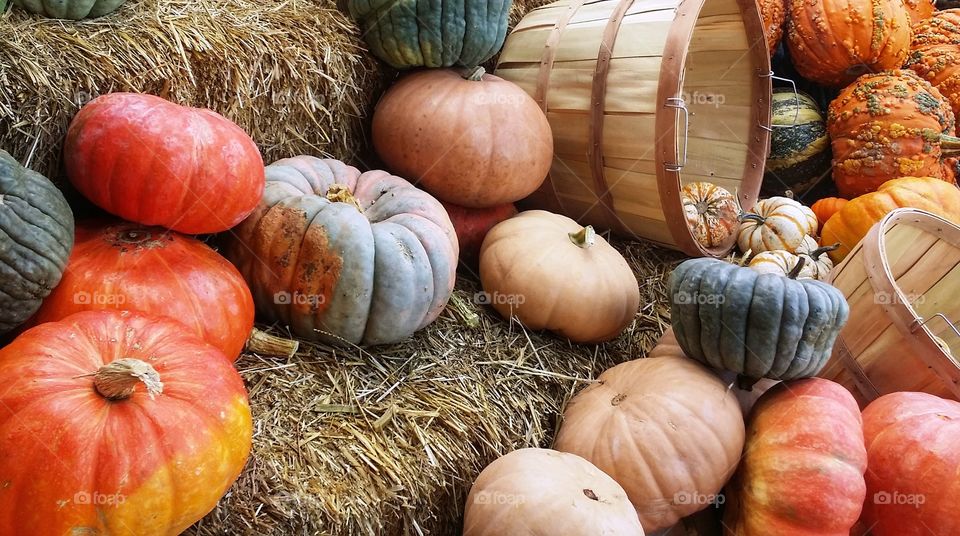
351	442
292	73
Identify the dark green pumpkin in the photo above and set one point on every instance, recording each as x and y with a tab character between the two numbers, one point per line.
757	325
36	236
800	154
70	9
438	33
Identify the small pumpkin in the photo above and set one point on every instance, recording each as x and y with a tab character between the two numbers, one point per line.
36	236
549	272
668	430
712	213
542	491
832	44
935	52
420	33
827	207
123	265
803	464
776	223
472	226
848	226
479	165
799	156
69	9
135	426
773	13
757	325
817	258
886	126
913	461
154	162
339	255
783	263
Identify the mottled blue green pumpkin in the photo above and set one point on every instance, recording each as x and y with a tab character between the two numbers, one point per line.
438	33
70	9
757	325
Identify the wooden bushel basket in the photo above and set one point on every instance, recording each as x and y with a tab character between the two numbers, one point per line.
902	282
644	96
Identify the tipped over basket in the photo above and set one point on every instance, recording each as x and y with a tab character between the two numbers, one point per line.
902	282
643	98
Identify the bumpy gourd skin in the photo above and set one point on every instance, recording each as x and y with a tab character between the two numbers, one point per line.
36	236
757	325
70	9
437	33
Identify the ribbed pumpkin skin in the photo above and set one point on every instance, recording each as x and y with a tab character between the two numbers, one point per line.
803	464
314	262
776	223
70	9
920	10
935	54
541	492
758	325
36	236
773	13
827	207
886	126
154	162
666	429
913	457
832	42
711	213
444	33
799	155
67	450
851	223
155	271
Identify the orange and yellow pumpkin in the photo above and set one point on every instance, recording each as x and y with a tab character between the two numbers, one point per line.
935	53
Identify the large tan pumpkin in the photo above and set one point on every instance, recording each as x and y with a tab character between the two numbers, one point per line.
544	492
668	430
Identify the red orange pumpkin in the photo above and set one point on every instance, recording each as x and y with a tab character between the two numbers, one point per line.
826	207
472	226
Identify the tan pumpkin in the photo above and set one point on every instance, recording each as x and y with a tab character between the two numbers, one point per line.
712	213
549	272
542	491
776	223
667	429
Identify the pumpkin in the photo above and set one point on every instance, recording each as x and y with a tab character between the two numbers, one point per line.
783	263
711	213
36	235
817	258
827	207
885	126
666	429
832	44
115	422
799	147
919	10
156	271
549	272
340	255
542	491
913	461
776	223
848	226
496	143
757	325
773	13
935	52
69	9
153	162
473	224
803	464
419	33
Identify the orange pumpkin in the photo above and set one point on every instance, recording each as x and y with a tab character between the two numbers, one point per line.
885	126
826	207
935	53
774	15
832	43
113	422
919	10
848	226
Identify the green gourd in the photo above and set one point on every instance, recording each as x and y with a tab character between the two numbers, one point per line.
799	146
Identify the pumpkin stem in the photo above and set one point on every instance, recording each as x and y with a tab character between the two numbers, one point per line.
949	145
263	343
584	238
815	254
338	193
117	380
801	260
475	74
745	383
752	216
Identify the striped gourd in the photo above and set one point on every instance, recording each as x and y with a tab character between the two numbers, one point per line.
800	154
776	223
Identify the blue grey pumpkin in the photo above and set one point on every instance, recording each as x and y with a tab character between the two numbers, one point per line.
70	9
757	325
36	236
